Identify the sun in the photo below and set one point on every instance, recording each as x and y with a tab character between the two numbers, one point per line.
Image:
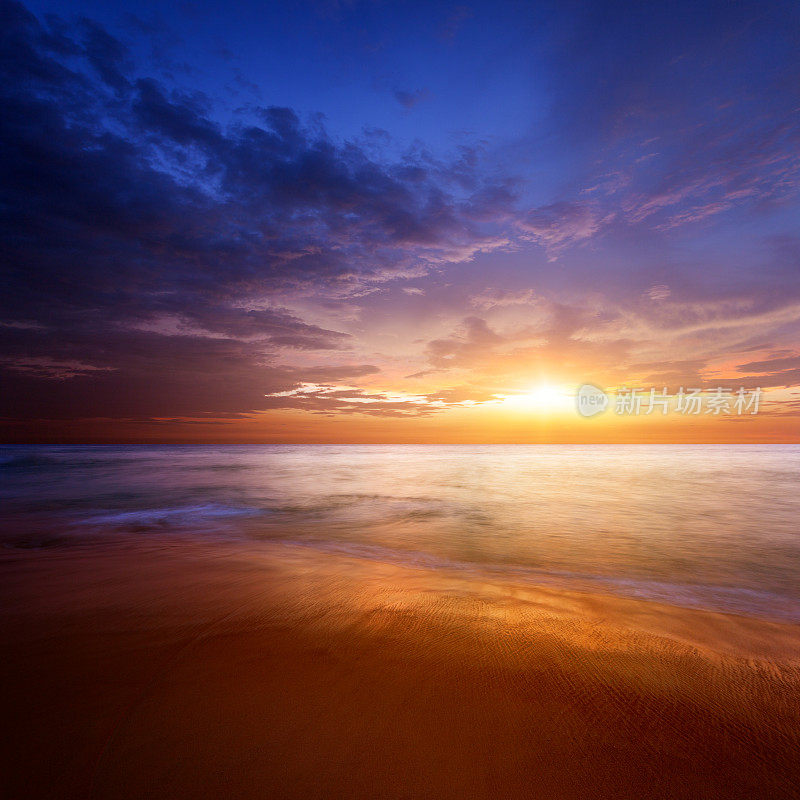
544	397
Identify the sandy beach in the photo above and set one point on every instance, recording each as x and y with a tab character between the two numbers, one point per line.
179	669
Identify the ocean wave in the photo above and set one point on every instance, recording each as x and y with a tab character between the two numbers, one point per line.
27	461
727	599
171	515
382	507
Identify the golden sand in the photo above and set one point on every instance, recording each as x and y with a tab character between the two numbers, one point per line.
171	669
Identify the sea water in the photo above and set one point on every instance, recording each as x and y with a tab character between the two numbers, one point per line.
714	526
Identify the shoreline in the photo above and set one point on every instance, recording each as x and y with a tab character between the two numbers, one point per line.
746	602
174	668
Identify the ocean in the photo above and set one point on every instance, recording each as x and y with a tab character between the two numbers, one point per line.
711	526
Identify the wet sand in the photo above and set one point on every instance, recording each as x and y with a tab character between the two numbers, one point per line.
170	668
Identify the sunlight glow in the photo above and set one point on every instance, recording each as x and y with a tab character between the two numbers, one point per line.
544	397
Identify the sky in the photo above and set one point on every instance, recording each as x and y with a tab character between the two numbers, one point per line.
397	222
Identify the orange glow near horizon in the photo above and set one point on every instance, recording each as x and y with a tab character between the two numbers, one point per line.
544	415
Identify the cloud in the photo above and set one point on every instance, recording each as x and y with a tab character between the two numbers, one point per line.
497	298
332	398
674	116
154	182
271	326
455	20
659	291
410	99
558	225
771	372
770	365
146	374
475	341
49	368
146	243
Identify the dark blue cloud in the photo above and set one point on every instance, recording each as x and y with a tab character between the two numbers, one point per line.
128	206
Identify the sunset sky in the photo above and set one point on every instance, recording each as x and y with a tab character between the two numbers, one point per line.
396	222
